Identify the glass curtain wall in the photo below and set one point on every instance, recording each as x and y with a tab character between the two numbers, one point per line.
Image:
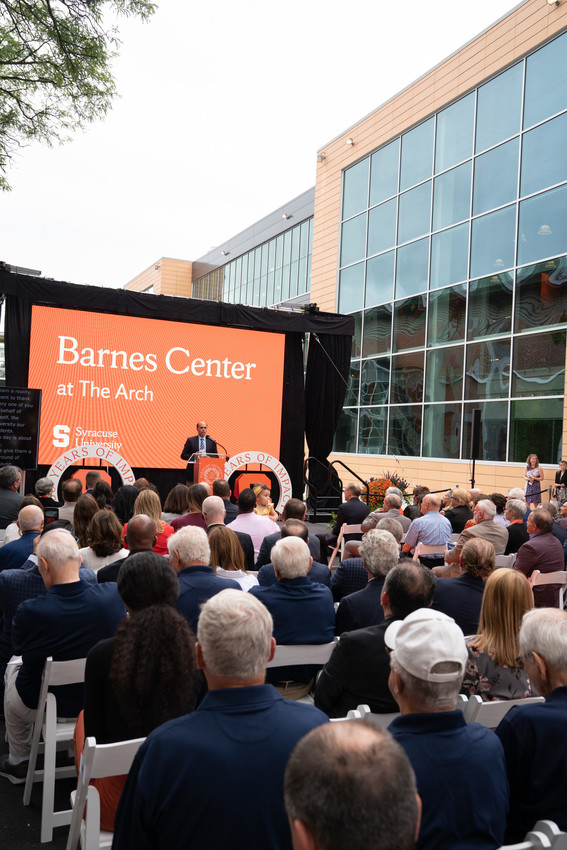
453	263
274	272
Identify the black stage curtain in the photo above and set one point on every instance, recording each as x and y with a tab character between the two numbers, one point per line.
22	291
328	365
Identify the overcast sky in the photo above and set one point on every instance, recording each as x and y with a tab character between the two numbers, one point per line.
222	108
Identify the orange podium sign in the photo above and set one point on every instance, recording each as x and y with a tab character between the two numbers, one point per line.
209	468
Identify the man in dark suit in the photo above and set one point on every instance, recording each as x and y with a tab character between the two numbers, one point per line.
141	536
542	552
10	498
221	488
461	597
352	511
380	553
215	514
318	572
293	509
30	522
358	670
199	443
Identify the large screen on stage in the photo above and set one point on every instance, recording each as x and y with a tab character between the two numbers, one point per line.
139	386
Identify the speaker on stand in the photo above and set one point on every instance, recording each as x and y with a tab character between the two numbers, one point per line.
475	439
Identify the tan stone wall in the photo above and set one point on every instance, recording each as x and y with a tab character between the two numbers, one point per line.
167	276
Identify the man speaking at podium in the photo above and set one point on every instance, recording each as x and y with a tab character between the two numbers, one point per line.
199	443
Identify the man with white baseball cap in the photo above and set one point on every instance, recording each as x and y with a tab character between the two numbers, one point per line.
459	767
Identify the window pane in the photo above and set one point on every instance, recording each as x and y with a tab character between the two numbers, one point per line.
499	106
351	397
544	156
452	197
543	226
353	240
493	430
493	239
382	227
454	133
409	323
541	295
496	177
377	330
407	378
384	173
351	288
536	426
490	306
539	364
488	369
417	155
449	256
357	336
412	269
405	431
355	188
446	320
442	430
546	83
444	374
373	427
380	279
375	380
345	435
415	213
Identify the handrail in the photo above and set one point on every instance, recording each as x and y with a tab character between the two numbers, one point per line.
312	488
354	475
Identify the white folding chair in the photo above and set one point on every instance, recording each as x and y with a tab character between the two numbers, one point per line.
383	720
551	830
97	761
535	841
504	560
491	713
54	734
439	549
558	577
341	543
304	653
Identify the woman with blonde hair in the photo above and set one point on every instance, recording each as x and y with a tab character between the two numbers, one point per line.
534	477
227	557
148	503
494	669
459	511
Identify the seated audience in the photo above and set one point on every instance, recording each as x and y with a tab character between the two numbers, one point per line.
148	503
349	577
413	511
10	498
92	476
104	538
71	489
30	523
302	611
430	529
459	767
350	785
85	509
557	530
518	493
461	597
13	530
240	736
533	736
176	504
124	501
459	512
494	669
542	552
214	514
221	488
358	670
103	495
43	490
264	504
194	516
380	553
227	557
517	531
352	511
562	518
391	508
142	676
317	572
258	527
484	528
500	515
293	509
141	536
190	557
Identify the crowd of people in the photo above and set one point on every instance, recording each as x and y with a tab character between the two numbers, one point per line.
178	608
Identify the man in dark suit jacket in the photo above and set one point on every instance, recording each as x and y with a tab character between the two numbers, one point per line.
317	572
214	513
199	443
461	597
293	509
352	511
10	498
358	670
542	552
141	536
221	488
380	553
349	577
13	555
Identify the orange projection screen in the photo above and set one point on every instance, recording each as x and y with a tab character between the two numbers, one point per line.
139	386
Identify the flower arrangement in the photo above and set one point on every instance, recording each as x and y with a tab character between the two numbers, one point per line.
377	488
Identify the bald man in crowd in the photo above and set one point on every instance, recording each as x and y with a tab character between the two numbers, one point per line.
30	522
431	529
141	536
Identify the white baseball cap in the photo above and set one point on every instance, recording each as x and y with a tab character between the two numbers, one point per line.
425	638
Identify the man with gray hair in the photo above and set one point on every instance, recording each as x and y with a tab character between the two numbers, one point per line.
302	610
30	522
214	512
240	736
369	773
43	490
533	736
431	529
65	624
190	557
459	767
10	480
517	532
380	552
485	528
392	504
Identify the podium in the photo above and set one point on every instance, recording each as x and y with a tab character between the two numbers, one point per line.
208	467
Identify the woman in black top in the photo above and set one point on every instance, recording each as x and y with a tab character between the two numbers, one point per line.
459	512
560	485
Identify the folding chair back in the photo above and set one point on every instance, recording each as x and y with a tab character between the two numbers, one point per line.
341	543
505	560
305	653
46	725
558	577
97	762
422	549
491	713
